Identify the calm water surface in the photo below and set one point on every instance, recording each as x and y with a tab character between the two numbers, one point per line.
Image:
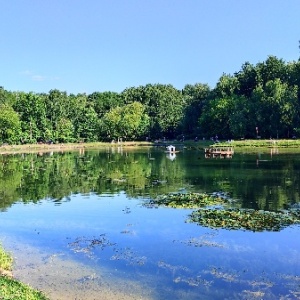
78	221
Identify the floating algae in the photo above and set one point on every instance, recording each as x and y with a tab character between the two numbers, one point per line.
244	219
190	200
216	211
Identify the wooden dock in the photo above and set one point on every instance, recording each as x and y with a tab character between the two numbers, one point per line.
219	152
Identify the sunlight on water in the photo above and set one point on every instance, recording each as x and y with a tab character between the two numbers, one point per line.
89	244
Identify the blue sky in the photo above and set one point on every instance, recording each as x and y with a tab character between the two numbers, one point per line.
82	46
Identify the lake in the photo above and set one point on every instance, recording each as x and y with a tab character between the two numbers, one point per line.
79	225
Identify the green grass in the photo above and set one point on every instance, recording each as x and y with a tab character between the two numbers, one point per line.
263	144
11	289
5	260
247	145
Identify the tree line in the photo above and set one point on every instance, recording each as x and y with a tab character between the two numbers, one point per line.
259	100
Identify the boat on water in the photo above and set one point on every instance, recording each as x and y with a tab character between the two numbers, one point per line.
171	149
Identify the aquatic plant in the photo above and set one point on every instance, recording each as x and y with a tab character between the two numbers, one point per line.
86	245
190	200
244	219
216	210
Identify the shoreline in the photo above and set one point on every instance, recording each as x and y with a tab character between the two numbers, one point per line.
45	148
58	276
239	146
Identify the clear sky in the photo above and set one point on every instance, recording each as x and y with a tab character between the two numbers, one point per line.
84	46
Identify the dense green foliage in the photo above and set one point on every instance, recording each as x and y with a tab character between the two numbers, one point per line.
259	100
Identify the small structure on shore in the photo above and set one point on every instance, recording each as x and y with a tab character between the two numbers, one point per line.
221	152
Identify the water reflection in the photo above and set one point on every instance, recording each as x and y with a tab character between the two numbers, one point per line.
171	155
261	181
87	208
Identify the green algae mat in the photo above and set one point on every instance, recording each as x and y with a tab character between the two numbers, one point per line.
215	211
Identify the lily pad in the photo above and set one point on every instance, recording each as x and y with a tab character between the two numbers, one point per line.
244	219
190	200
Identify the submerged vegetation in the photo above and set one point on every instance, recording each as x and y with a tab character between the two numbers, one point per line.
42	177
11	288
214	212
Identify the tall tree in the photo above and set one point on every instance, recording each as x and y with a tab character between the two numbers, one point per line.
103	102
128	122
194	97
240	121
227	86
277	108
32	110
215	118
7	97
87	125
10	125
273	68
165	108
248	78
56	109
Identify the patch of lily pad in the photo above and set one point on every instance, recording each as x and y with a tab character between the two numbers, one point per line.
190	200
217	211
245	219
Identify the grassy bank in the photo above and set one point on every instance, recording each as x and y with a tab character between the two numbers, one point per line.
10	288
31	148
238	144
253	146
43	148
243	145
263	143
